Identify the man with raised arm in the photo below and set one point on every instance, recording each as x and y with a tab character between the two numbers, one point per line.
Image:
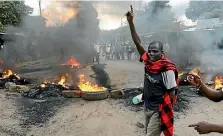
160	85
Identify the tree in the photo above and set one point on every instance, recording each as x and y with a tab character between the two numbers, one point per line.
11	12
159	6
207	9
1	27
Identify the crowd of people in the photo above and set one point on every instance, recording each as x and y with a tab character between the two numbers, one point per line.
116	51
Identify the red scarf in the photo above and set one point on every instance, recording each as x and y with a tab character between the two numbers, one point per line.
167	115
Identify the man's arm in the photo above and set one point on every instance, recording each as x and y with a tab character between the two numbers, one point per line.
210	93
135	36
217	128
206	128
170	83
172	94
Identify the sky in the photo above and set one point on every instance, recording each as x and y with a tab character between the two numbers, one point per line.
108	21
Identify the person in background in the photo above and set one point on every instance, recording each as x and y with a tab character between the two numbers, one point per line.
129	52
108	51
211	94
160	85
122	51
103	51
112	56
117	51
95	53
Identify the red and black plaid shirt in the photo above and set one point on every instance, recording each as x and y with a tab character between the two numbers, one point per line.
165	108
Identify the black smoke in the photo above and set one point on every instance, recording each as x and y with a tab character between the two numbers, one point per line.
75	37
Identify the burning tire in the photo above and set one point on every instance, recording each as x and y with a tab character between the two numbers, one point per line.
93	96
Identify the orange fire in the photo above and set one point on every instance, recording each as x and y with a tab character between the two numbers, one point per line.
72	61
62	80
196	71
87	86
45	81
43	85
180	74
218	82
8	73
58	13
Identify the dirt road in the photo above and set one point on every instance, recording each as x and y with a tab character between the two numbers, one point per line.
106	117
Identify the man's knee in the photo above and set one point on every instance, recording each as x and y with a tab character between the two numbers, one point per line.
154	126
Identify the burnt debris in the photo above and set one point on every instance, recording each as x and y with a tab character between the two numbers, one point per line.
38	112
13	78
49	90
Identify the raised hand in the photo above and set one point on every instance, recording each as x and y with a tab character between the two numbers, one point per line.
130	15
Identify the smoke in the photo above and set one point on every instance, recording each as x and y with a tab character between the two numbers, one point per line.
198	48
186	48
212	54
72	31
112	8
86	30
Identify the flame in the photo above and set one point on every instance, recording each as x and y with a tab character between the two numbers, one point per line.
218	82
72	61
8	73
43	85
58	13
45	81
180	74
87	86
195	71
62	80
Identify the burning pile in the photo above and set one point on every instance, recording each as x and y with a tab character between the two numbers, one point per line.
48	89
9	73
57	87
62	83
217	81
87	86
72	61
82	84
9	76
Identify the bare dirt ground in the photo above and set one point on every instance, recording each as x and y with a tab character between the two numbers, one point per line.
100	118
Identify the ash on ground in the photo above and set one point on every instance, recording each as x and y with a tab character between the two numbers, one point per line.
37	112
183	99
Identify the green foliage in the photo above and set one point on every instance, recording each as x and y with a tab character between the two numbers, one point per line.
205	9
11	12
1	27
